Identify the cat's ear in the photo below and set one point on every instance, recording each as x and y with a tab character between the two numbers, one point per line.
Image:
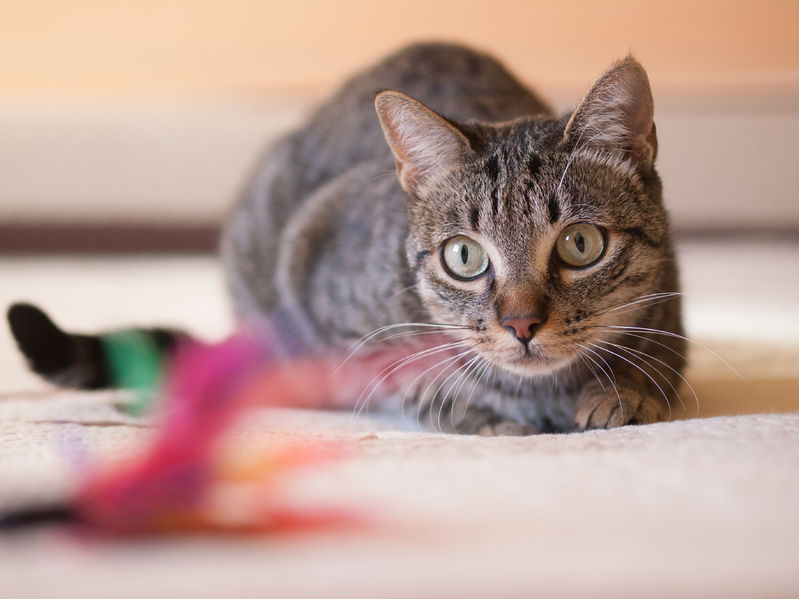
424	143
617	115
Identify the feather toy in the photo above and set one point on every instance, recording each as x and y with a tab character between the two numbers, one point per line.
181	481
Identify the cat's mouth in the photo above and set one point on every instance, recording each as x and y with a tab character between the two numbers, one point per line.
532	365
529	360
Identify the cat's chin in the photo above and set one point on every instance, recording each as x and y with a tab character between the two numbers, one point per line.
532	366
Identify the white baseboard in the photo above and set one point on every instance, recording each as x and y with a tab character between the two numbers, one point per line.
727	164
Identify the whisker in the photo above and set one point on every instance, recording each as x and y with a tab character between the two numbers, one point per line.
643	305
427	388
655	341
584	359
632	353
676	336
674	370
382	175
634	365
648	300
380	377
389	327
403	290
412	384
478	364
484	369
357	345
636	354
406	334
463	370
612	381
472	364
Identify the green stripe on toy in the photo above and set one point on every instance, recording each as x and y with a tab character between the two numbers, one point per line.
134	363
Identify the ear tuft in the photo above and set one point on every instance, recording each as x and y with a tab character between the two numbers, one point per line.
617	115
424	144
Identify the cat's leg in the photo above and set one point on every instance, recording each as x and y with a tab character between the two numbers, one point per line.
641	389
625	402
447	410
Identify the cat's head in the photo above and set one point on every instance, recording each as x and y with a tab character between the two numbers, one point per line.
534	233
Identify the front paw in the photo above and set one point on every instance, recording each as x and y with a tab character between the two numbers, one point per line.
507	429
487	423
605	408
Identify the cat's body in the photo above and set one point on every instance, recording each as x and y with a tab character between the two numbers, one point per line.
328	232
538	245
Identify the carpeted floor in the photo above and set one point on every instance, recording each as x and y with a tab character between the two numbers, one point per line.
695	507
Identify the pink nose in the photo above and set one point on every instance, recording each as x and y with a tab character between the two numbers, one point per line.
523	327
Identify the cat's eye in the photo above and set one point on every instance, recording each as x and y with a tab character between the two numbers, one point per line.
464	258
580	244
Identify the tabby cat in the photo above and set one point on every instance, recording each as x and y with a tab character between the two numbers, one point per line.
537	244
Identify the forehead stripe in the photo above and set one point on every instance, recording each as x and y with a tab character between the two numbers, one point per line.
554	209
474	217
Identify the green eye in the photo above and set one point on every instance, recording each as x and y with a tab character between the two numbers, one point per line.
580	244
464	258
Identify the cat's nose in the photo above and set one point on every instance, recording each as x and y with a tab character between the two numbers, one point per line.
523	327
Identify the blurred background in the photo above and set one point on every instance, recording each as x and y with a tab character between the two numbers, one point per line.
134	125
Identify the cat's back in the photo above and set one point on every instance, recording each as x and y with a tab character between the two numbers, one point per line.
455	80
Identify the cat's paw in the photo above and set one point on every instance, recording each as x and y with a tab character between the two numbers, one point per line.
487	423
509	429
604	408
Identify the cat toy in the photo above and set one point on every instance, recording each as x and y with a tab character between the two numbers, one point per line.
182	481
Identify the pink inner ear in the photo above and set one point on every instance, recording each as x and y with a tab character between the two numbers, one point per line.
643	143
651	142
640	118
422	141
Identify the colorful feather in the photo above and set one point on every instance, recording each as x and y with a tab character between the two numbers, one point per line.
182	482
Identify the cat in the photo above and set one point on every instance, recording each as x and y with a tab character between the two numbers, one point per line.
435	192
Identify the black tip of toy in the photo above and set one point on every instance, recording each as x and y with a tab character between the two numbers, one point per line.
26	320
48	348
38	516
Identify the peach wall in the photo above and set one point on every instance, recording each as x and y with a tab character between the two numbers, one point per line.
123	111
112	47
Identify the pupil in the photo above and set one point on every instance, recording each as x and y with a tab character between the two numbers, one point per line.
464	254
579	241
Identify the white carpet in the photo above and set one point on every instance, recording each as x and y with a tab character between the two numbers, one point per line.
690	508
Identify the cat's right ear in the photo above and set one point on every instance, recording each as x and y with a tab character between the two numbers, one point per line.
617	115
425	145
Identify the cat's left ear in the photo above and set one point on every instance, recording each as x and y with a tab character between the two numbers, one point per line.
617	115
424	144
